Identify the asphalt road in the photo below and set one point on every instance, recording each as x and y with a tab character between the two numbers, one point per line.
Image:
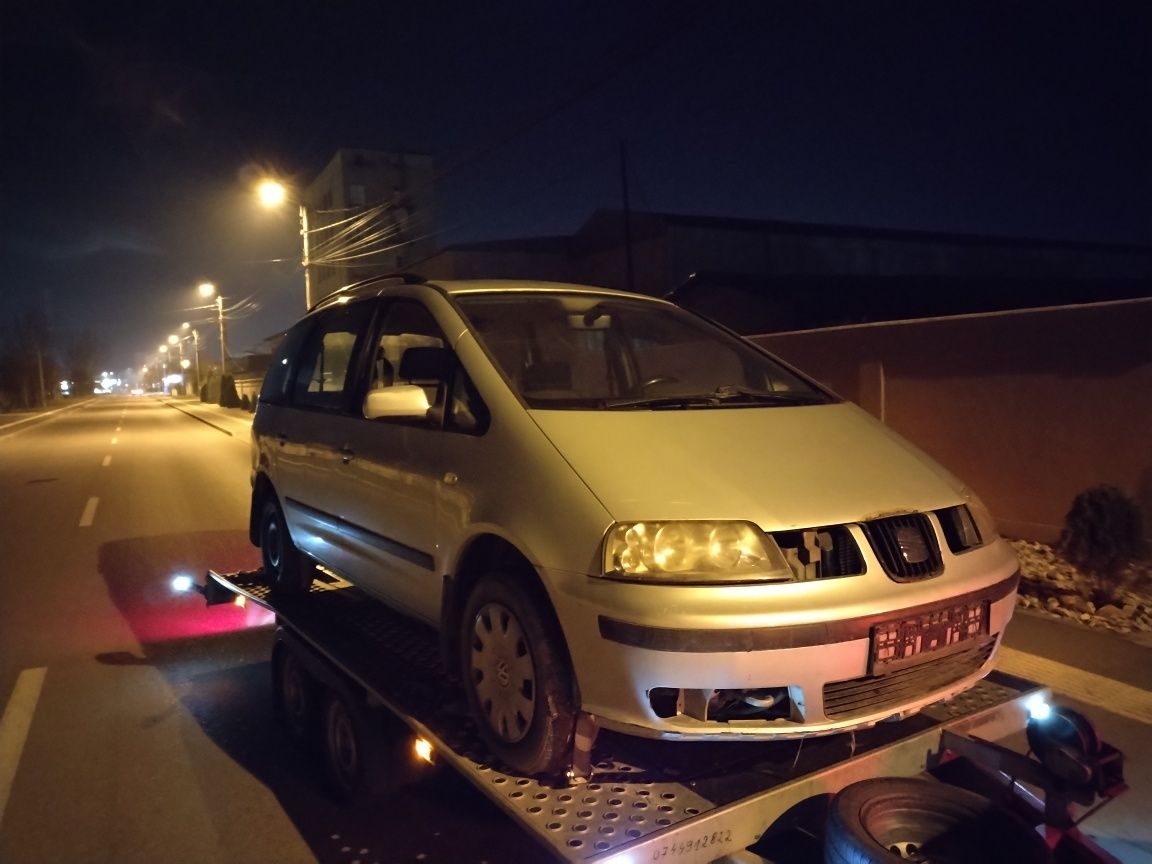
149	734
137	724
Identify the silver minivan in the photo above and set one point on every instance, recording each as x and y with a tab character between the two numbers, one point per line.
614	509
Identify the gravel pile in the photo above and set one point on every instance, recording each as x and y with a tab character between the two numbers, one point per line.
1052	586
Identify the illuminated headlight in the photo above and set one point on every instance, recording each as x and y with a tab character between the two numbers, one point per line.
693	552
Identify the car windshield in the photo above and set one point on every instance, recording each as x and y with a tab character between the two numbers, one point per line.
587	351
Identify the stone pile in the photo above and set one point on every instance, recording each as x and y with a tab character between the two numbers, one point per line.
1052	586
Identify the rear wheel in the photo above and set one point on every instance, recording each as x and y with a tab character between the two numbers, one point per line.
289	571
357	762
517	677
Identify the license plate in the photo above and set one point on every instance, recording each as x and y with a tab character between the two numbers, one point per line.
897	643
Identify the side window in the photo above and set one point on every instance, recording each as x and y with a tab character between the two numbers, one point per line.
277	379
454	402
324	373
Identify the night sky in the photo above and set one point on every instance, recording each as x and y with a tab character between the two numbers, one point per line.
131	132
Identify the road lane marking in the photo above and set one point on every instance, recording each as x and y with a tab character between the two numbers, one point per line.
89	514
107	461
14	726
1106	693
114	440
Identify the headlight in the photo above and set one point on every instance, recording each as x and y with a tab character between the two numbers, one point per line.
693	552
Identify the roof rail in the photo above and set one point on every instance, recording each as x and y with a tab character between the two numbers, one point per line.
403	278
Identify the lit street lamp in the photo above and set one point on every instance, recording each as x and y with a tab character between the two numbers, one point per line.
273	194
207	289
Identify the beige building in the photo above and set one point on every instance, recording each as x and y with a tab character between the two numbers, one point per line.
369	212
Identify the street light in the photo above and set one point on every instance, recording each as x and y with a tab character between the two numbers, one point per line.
207	289
272	194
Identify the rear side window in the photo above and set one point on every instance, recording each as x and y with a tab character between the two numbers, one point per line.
324	373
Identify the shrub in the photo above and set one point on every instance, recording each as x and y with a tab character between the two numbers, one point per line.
1102	532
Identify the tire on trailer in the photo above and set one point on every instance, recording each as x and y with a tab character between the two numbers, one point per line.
515	670
351	750
287	568
296	694
892	819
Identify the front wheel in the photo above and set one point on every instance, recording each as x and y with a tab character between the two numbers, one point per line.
284	565
517	677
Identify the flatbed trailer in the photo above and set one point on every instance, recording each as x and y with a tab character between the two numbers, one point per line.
643	800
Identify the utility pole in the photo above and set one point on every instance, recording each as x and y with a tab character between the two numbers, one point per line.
627	215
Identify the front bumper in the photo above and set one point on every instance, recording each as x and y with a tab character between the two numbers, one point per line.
651	659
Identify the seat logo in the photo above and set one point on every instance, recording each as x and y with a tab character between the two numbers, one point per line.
913	548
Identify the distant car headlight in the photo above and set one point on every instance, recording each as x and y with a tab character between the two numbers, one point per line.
693	552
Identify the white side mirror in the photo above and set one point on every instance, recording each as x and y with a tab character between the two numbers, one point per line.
401	400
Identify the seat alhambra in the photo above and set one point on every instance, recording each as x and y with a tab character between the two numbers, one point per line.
609	506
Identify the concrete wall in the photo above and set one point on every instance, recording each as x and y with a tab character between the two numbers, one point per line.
1028	407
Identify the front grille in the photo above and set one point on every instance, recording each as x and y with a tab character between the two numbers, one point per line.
820	553
860	696
905	545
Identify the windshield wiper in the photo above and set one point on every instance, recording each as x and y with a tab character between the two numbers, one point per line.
722	397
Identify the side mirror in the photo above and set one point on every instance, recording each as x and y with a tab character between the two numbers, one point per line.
400	400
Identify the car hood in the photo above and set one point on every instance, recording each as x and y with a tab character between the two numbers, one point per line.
780	467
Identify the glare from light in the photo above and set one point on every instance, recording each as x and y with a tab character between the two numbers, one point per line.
240	601
206	289
271	193
185	363
1038	708
163	349
173	339
182	583
423	749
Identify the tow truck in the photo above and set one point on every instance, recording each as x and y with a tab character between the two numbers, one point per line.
939	785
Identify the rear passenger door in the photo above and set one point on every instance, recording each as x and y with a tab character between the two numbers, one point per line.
324	384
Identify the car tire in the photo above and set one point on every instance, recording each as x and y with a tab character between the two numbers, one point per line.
517	677
887	820
297	696
353	755
286	568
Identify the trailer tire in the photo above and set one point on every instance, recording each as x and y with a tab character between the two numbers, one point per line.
297	695
288	569
887	820
351	751
515	671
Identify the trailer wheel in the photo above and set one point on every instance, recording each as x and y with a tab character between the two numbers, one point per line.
892	819
285	566
353	757
516	674
297	695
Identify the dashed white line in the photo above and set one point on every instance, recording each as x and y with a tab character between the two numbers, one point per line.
107	461
14	726
89	514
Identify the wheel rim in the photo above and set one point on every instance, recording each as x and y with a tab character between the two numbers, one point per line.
341	739
273	544
503	673
922	834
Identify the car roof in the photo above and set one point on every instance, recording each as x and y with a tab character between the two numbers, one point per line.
460	287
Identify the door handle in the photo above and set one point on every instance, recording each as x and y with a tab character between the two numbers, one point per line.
346	454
